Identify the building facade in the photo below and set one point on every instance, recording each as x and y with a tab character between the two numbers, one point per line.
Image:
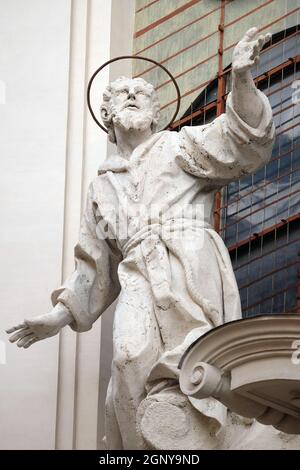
52	396
258	216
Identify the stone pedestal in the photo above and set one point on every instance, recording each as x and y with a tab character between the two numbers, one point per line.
252	366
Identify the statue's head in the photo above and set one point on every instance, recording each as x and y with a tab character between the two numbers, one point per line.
131	103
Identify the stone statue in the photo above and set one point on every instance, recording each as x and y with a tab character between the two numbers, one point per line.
147	237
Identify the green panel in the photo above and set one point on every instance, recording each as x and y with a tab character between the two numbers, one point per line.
178	64
180	41
206	48
238	8
155	12
192	80
140	3
262	17
174	24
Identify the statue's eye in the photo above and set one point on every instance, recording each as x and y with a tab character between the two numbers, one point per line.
122	91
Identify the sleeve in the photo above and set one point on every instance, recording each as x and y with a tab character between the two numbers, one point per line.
94	284
227	148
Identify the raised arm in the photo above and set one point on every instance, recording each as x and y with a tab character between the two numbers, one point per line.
86	294
246	98
239	141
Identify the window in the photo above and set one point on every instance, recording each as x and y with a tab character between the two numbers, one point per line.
260	214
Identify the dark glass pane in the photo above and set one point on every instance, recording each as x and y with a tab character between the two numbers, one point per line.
259	215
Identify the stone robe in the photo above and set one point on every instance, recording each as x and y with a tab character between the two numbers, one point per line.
140	240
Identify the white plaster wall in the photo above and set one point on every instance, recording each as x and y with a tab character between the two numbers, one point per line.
34	44
51	395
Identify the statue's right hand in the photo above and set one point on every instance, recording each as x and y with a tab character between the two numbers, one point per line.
41	327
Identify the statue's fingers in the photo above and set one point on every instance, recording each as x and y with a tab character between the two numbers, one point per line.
250	34
261	41
24	340
255	50
268	37
19	335
15	328
30	342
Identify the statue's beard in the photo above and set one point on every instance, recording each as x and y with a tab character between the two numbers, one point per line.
130	120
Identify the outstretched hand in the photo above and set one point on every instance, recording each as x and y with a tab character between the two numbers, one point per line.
246	52
41	327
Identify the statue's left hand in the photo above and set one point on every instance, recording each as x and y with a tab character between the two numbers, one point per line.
246	52
41	327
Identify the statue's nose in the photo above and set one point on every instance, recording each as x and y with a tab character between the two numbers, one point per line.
131	95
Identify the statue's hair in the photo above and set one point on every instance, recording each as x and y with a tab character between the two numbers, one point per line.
105	108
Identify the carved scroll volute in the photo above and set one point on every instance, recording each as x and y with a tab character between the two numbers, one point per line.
202	381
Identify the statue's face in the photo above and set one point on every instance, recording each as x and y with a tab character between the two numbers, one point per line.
131	95
132	104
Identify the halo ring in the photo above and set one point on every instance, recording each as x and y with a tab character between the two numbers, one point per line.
131	57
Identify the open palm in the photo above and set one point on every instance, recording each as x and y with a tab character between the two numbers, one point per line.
246	52
34	330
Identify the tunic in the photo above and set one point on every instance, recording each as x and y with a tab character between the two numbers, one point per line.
147	237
